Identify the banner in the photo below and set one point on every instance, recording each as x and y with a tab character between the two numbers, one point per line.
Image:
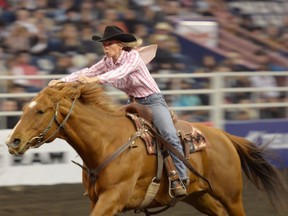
272	132
204	32
49	164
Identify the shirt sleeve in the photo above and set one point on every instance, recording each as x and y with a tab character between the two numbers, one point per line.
131	64
92	71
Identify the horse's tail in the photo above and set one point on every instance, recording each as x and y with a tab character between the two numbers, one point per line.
260	172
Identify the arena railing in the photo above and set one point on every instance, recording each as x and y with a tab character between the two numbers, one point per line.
216	92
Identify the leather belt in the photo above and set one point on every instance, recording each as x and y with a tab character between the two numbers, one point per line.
132	98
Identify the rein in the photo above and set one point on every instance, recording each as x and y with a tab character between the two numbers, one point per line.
94	173
40	139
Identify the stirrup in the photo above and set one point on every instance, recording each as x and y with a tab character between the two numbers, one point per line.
177	189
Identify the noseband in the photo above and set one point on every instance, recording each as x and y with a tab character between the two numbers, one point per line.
40	139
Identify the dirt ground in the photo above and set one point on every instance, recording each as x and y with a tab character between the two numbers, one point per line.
67	200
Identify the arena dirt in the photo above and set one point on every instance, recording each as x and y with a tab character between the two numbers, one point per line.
67	200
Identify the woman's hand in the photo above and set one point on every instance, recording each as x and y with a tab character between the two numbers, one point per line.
85	79
54	82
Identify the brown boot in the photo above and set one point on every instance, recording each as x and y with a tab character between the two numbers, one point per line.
178	190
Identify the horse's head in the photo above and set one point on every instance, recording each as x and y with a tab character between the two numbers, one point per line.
41	120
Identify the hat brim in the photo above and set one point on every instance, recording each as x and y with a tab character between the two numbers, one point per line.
121	37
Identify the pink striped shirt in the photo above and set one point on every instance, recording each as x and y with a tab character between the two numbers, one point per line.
128	74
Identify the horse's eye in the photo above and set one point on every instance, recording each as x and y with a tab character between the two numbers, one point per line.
40	111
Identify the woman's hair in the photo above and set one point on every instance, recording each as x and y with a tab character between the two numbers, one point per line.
127	46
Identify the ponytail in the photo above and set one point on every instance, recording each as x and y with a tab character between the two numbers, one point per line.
128	46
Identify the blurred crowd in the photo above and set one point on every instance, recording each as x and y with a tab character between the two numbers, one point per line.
54	37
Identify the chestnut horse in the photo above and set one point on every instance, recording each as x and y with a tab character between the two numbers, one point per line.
95	127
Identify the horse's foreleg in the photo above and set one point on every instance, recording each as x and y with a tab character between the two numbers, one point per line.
112	201
108	204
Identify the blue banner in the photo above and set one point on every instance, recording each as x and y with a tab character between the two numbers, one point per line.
274	132
242	128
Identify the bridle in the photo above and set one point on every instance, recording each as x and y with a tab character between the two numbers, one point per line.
40	139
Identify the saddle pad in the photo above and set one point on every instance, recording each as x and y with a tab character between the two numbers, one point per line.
188	134
195	138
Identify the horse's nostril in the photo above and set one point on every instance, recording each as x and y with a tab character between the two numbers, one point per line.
16	142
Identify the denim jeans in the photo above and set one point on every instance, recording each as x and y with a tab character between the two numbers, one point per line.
164	124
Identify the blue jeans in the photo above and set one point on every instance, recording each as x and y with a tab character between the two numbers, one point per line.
164	124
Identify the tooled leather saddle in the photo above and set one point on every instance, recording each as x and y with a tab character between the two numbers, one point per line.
191	137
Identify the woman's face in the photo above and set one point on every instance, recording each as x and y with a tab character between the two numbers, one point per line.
112	48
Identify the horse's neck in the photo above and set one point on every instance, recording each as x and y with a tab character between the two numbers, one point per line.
93	136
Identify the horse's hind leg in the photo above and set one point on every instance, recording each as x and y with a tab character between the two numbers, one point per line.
234	206
206	204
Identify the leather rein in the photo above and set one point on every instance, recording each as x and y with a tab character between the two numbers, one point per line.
94	173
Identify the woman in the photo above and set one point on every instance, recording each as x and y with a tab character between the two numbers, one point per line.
123	67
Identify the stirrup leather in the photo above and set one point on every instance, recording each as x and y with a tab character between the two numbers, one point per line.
173	177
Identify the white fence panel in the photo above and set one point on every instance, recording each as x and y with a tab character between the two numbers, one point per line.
216	92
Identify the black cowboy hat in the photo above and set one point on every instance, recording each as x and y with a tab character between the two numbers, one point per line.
114	33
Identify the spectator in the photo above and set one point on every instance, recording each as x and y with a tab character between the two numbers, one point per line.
284	27
99	9
86	44
5	69
21	35
284	41
73	16
10	106
209	63
69	37
265	82
164	30
169	43
142	31
272	96
23	18
43	4
186	99
112	16
246	22
150	15
60	12
40	41
41	16
235	62
172	8
163	59
87	13
242	114
240	82
24	67
63	64
266	63
130	19
3	32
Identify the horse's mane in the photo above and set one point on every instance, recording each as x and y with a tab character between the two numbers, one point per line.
88	94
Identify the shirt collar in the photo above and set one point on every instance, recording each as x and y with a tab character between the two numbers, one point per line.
121	58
